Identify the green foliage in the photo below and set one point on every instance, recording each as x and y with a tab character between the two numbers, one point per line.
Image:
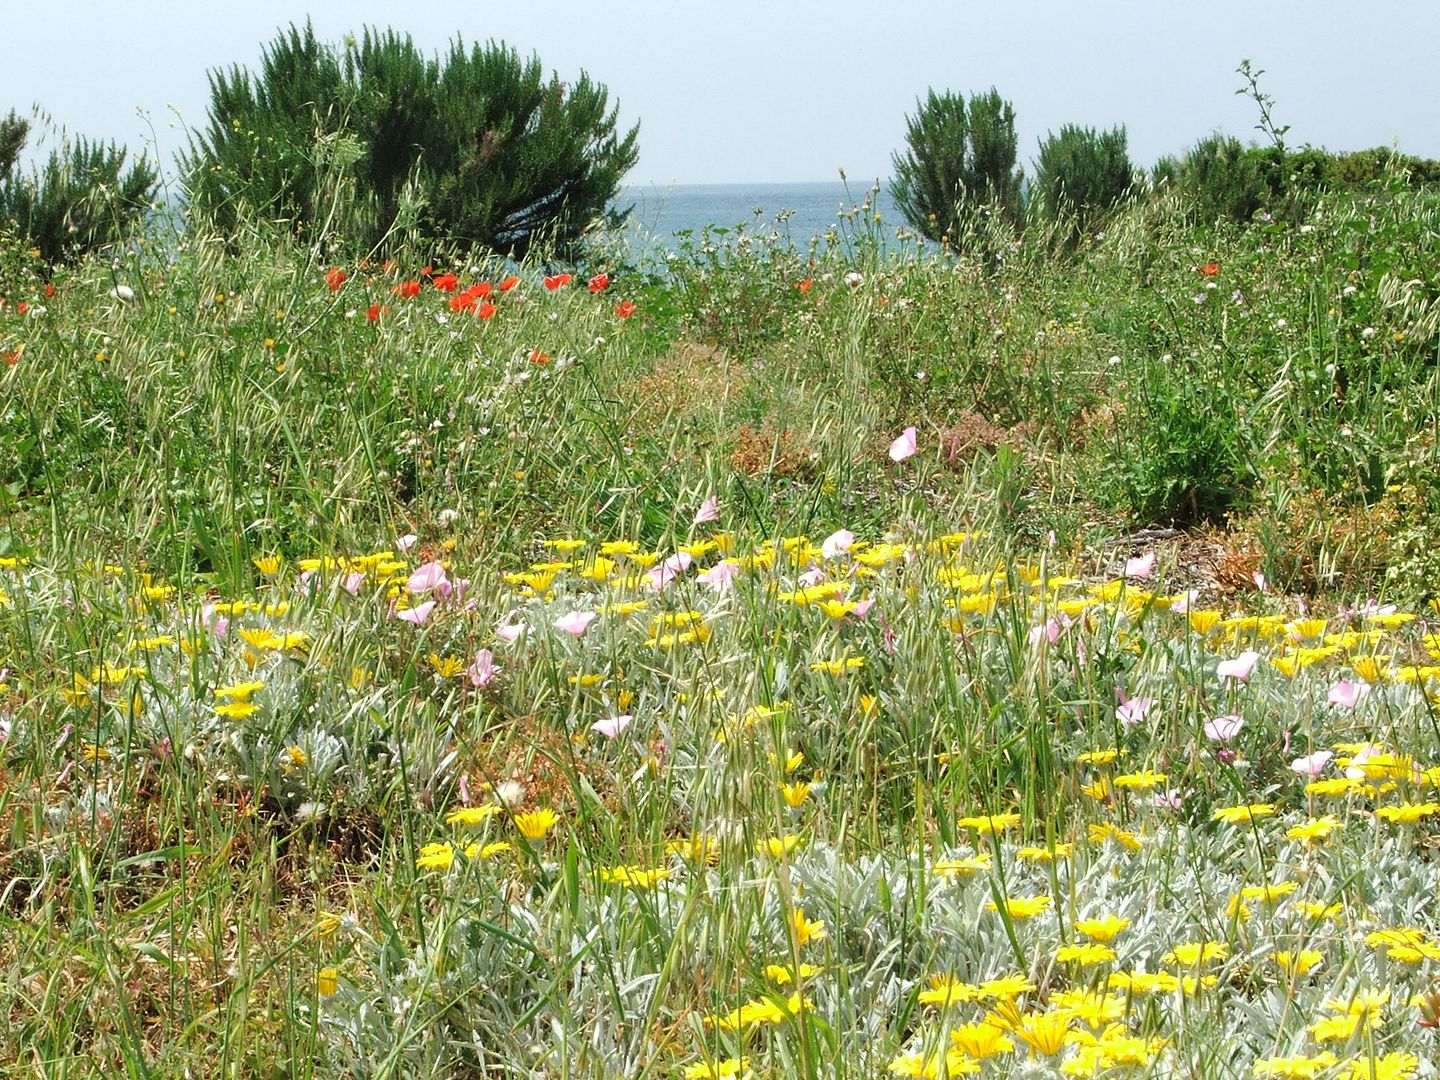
959	159
1222	179
476	148
1081	172
82	200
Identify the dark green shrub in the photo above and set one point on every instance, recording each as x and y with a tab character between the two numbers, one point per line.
1224	180
1081	172
959	158
83	199
476	147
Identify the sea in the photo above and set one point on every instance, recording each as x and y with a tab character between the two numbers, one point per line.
663	218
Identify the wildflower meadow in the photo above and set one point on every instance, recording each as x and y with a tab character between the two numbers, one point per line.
859	659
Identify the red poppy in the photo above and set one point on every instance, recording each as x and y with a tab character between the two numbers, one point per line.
335	278
461	302
49	290
479	291
407	289
625	308
804	286
599	283
13	358
509	283
372	313
445	282
538	357
23	306
554	281
1210	269
485	310
389	266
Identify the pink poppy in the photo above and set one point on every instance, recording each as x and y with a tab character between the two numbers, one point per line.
905	446
419	614
1141	567
483	671
721	576
1312	764
1224	728
1239	668
611	726
1347	693
427	577
1132	713
662	574
576	623
837	543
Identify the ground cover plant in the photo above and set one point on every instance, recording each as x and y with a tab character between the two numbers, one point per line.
864	660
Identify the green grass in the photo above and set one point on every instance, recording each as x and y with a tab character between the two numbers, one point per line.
192	888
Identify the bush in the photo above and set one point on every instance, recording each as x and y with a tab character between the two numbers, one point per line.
477	147
1081	172
1224	180
959	158
82	200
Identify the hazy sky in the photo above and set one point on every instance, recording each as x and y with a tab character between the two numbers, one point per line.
792	91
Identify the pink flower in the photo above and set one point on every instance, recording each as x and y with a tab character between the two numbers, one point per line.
1173	799
1312	764
1347	694
483	671
837	543
1141	567
1051	630
427	577
510	632
1132	713
406	542
611	726
905	446
1260	583
351	582
1239	668
1224	728
661	575
721	576
810	578
862	607
576	623
709	511
419	614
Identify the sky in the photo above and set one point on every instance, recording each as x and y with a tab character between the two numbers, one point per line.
796	90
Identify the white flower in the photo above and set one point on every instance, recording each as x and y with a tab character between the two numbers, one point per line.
123	292
448	516
854	278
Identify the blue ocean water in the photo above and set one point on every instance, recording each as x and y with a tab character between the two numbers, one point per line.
798	212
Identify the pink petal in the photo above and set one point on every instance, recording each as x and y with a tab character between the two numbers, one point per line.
406	542
721	576
427	577
1133	712
1141	567
837	543
576	623
862	607
1347	694
1312	764
709	511
905	446
1224	728
419	614
483	671
611	726
1238	668
510	632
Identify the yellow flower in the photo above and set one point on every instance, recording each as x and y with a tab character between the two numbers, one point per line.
489	851
1006	988
1141	781
447	667
1105	928
1145	982
784	976
437	856
1294	1068
1363	1003
1085	954
1022	907
1192	954
1240	815
980	1041
1297	962
1098	757
946	990
1335	1028
1399	1065
1043	854
293	757
1268	893
804	930
236	710
795	794
1407	813
535	824
240	691
964	867
777	847
327	981
269	565
1102	831
988	825
1318	911
1314	829
1044	1033
725	1069
633	877
471	815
